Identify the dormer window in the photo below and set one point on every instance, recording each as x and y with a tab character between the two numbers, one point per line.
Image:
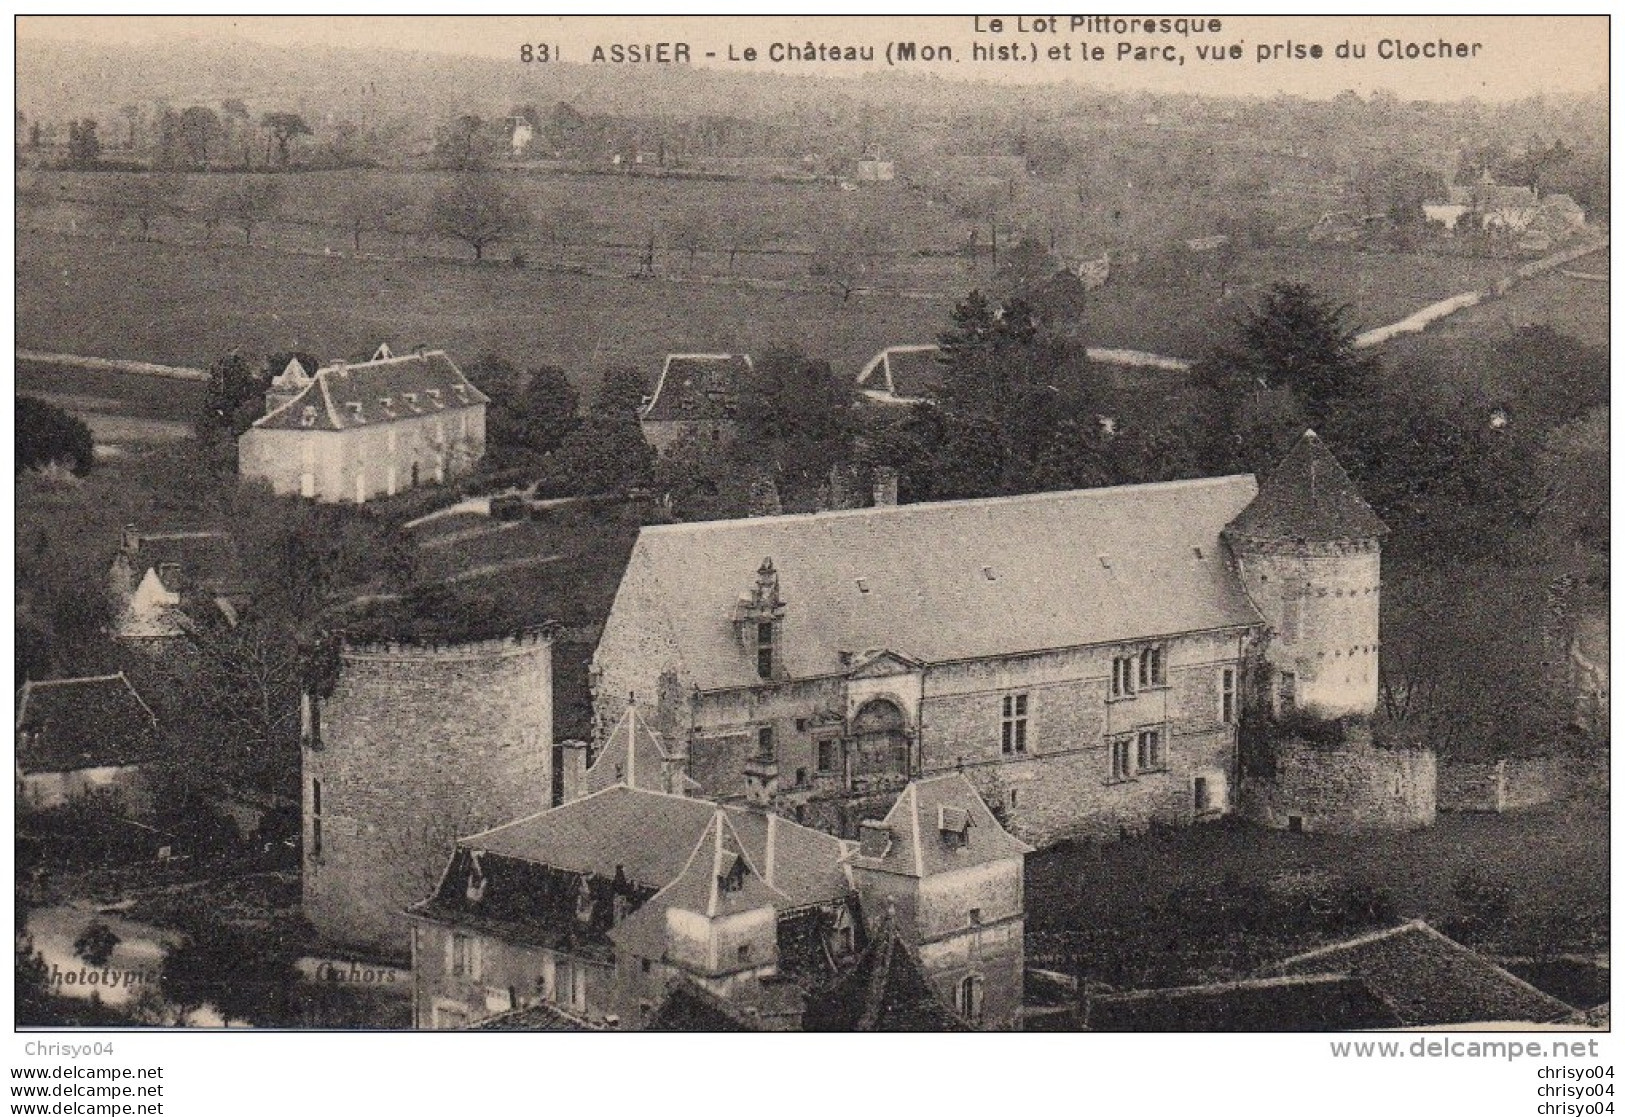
412	400
764	649
953	823
387	402
307	417
462	391
354	407
434	397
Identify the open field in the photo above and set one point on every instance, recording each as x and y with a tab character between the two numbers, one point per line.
1554	859
188	304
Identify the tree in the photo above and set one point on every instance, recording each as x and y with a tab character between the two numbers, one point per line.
381	209
48	435
285	127
796	418
248	204
475	209
142	198
742	233
84	149
559	225
233	397
1397	188
463	144
546	410
96	943
246	976
690	232
605	453
199	127
840	257
1297	340
621	391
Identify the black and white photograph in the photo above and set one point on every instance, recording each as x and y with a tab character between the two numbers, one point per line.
976	523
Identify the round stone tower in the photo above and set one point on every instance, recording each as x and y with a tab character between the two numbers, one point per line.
415	747
1309	552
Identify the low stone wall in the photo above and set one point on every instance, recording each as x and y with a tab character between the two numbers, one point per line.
1519	782
1346	788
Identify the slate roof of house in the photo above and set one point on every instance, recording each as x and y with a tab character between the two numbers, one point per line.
904	372
345	397
918	821
703	887
697	386
64	725
945	581
634	755
651	837
1430	979
1308	497
690	1008
887	991
534	1018
1295	1003
203	559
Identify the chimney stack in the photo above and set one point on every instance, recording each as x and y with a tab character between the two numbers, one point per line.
885	479
130	540
573	762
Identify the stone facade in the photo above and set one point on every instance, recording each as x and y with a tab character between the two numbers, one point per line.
415	748
356	466
1057	782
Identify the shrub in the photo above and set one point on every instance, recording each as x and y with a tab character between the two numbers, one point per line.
48	435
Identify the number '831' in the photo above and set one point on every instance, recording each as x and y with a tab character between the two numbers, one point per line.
538	52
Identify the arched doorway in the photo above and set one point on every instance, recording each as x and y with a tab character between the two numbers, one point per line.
879	739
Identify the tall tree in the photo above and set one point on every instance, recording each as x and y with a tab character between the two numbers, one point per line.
233	397
199	128
1298	340
621	391
475	209
84	148
284	128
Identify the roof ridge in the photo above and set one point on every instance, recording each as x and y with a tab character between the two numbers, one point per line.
538	814
931	505
1359	940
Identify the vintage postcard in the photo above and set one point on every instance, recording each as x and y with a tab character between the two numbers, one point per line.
1074	524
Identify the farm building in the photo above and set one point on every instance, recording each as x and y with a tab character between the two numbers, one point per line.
351	433
902	374
695	399
160	581
81	736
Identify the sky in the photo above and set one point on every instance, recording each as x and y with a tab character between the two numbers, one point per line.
1516	56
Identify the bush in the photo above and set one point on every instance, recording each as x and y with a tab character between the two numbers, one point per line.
48	435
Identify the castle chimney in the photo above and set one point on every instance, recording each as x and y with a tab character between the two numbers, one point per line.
885	479
574	764
130	540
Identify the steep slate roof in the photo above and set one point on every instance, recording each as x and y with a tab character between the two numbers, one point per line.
64	725
1297	1003
947	581
634	755
887	991
697	386
651	837
718	854
534	1018
916	822
333	391
1308	497
1430	979
903	373
205	559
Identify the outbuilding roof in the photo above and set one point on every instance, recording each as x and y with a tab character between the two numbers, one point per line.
345	397
943	582
697	386
939	825
64	725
